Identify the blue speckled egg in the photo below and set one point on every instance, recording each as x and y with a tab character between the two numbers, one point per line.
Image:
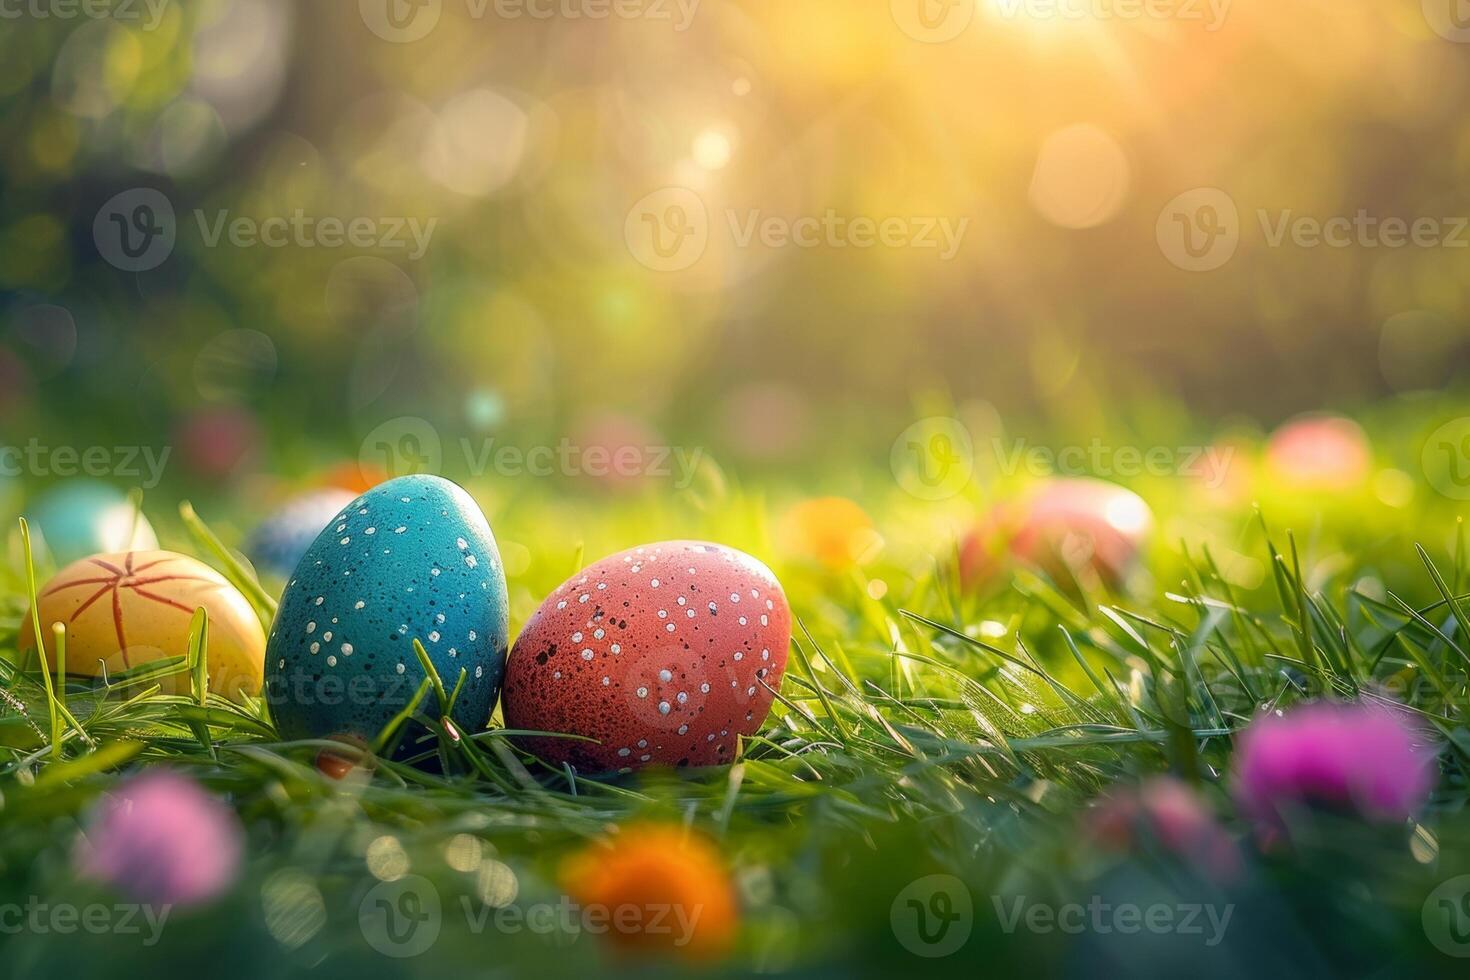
412	558
83	517
278	542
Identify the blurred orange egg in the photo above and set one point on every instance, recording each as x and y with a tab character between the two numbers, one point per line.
832	530
660	888
356	477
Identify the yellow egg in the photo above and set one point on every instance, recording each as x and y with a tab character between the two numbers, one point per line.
128	608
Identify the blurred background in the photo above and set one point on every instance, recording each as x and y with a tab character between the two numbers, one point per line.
259	231
842	276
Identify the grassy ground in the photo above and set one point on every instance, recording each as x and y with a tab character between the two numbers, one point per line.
920	731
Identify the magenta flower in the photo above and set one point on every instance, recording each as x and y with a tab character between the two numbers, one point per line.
1358	758
161	839
1166	814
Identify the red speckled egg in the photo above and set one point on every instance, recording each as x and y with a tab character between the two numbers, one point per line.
659	654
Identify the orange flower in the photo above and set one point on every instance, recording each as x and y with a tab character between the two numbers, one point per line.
657	887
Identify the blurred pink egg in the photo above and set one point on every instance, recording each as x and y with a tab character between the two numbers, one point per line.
217	443
765	420
1326	452
15	383
1163	813
615	451
161	839
1074	525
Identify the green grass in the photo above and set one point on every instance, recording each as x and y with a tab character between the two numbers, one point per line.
924	731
